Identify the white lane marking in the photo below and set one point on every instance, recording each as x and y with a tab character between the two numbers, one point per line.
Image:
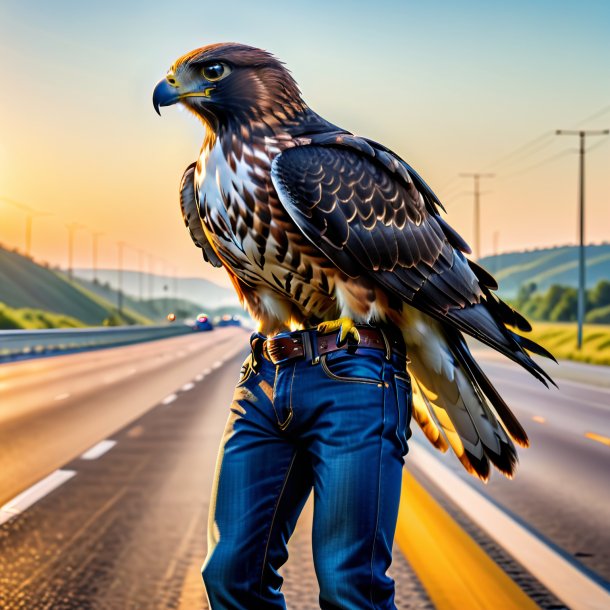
562	578
169	399
187	386
206	372
199	377
34	493
539	419
62	396
217	364
114	378
98	450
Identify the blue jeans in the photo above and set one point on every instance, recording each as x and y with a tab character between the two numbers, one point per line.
340	426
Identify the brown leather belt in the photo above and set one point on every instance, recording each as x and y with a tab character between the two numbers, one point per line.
309	344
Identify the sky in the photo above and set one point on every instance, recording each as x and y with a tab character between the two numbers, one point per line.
453	87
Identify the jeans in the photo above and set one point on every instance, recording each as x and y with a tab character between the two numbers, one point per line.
340	426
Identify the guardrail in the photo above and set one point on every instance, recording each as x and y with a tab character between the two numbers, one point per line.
18	344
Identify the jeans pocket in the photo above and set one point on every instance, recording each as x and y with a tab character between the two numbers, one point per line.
402	387
343	366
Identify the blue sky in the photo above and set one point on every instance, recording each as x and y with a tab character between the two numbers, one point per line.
451	86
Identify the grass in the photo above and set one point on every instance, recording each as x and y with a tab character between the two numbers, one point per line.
560	340
30	290
33	319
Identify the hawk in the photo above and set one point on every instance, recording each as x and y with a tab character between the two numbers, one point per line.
319	227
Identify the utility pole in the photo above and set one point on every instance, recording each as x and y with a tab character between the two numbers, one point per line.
72	227
96	236
121	245
477	209
30	214
581	221
141	275
151	269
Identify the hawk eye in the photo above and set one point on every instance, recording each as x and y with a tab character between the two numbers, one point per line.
215	71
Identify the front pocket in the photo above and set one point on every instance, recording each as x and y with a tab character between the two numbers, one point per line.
341	365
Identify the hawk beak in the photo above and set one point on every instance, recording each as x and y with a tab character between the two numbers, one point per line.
165	94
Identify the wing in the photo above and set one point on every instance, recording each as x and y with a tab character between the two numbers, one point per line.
188	205
371	214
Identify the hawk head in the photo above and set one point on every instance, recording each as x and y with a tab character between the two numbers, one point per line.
230	83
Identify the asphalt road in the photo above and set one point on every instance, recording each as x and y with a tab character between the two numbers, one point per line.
561	489
53	409
127	529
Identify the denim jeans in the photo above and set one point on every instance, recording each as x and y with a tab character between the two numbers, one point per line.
340	426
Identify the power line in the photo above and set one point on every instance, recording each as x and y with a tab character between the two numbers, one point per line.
524	170
582	134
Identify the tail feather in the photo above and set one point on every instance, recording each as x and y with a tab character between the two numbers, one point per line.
463	407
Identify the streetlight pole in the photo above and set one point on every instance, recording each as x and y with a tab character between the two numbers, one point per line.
96	236
72	227
30	214
582	134
121	245
477	209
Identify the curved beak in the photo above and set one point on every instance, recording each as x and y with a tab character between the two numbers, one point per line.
165	95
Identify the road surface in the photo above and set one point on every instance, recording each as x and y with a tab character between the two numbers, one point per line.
123	525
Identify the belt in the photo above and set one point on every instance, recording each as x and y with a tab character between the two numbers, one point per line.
309	344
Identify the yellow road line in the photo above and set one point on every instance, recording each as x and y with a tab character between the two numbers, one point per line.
604	440
454	570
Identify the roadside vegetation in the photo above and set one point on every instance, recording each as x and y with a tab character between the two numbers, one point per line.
559	303
560	340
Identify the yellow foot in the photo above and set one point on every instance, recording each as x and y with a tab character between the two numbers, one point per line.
346	326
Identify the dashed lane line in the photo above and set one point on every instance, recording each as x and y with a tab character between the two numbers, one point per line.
600	438
217	364
559	575
98	450
62	396
187	387
34	493
169	399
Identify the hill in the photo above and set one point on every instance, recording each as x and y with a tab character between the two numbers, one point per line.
26	285
546	267
157	308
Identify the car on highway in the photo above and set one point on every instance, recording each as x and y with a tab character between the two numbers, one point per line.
203	323
228	320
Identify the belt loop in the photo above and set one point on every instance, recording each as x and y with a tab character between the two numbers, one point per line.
315	356
307	344
388	350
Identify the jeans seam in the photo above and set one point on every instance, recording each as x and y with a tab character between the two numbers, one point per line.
277	504
379	476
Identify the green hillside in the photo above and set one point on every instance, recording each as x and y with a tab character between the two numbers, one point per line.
546	267
27	285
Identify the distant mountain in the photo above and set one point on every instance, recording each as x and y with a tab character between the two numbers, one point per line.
546	267
198	291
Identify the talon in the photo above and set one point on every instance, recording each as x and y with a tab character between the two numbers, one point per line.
345	326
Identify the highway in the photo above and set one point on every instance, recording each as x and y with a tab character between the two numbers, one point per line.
106	461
